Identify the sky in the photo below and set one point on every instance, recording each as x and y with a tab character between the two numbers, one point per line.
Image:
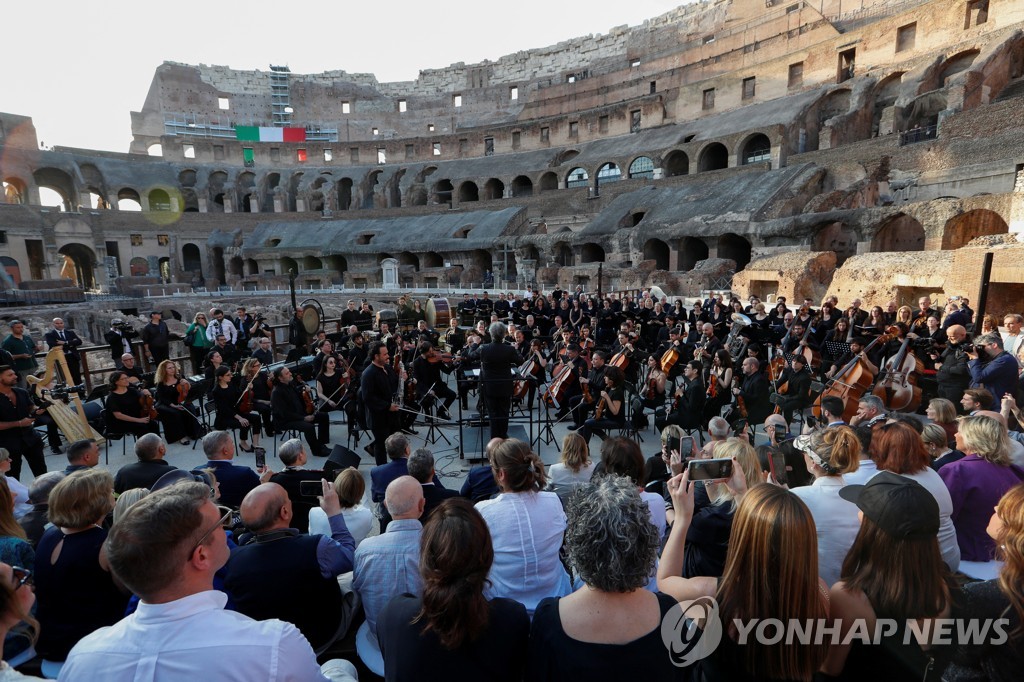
79	69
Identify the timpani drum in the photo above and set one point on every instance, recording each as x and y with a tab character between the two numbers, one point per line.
439	313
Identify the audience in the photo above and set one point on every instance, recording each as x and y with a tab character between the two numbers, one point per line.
453	631
526	527
575	467
150	450
894	570
977	482
235	481
421	467
16	600
351	489
76	593
611	629
387	565
830	454
18	489
36	520
943	413
14	547
935	444
294	458
166	550
125	500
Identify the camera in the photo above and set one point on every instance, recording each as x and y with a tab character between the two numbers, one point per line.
259	318
978	348
64	392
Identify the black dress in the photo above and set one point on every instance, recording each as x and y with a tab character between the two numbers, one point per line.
226	400
178	422
128	404
411	654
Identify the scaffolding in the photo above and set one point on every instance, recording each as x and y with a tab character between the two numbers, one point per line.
280	101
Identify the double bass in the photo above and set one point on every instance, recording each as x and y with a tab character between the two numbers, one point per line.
899	390
852	381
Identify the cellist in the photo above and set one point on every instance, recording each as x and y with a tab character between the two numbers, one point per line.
857	345
590	386
576	368
667	362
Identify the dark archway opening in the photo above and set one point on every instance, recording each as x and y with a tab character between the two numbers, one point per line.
675	163
522	186
79	264
757	149
592	253
899	233
714	157
548	181
735	247
468	191
980	222
691	251
658	251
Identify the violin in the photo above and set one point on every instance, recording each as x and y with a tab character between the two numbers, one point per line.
307	399
669	359
183	388
712	391
435	356
148	407
599	412
741	405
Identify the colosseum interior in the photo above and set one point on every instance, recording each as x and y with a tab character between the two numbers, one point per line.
774	147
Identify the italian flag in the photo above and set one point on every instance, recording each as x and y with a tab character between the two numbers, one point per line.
264	134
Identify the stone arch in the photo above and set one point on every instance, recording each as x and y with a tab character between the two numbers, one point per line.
159	200
886	92
468	191
128	199
368	188
756	148
713	157
432	259
191	260
443	190
236	267
312	263
155	149
531	252
394	188
294	183
564	156
187	178
641	167
217	256
10	267
189	201
691	251
577	177
270	184
60	183
632	219
591	253
735	247
563	254
246	184
252	268
548	181
287	263
676	162
899	233
417	195
338	264
961	229
924	110
483	259
423	174
14	191
494	189
79	264
608	172
138	267
409	258
658	251
956	64
837	237
522	186
344	194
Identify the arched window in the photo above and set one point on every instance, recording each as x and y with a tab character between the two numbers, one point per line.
642	167
577	177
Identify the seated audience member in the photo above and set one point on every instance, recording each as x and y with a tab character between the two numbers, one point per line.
387	565
234	481
166	549
943	413
977	482
453	631
998	598
526	527
421	467
611	630
82	454
709	529
150	450
14	548
293	457
76	593
622	457
398	449
975	400
480	484
18	489
310	597
575	468
900	450
774	535
125	501
830	454
894	570
351	489
935	444
35	521
16	601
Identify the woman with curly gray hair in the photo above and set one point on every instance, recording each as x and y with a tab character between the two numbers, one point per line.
612	629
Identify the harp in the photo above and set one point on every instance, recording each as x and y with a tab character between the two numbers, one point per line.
71	422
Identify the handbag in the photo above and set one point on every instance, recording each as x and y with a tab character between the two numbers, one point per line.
190	337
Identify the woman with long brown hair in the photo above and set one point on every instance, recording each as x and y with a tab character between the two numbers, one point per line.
453	631
14	548
773	535
1002	597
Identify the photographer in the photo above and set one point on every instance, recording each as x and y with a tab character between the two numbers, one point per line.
119	337
951	373
992	367
245	324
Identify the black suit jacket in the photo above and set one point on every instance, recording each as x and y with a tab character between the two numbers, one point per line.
799	385
116	342
289	480
434	495
754	392
694	397
71	341
496	363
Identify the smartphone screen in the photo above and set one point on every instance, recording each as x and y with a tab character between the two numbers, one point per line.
777	462
261	457
311	488
710	469
685	447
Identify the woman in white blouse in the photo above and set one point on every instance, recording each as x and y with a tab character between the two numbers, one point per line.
526	527
351	488
576	467
829	454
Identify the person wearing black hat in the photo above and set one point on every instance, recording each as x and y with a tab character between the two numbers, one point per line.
156	339
895	571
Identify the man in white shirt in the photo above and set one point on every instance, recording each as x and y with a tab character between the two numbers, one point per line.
221	326
166	549
1013	340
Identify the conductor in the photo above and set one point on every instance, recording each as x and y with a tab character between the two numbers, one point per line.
497	360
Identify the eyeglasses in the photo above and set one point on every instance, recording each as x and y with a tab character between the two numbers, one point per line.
223	521
21	576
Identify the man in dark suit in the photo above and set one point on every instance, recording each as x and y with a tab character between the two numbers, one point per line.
754	392
150	449
497	360
421	467
692	396
156	339
797	380
293	457
69	342
377	388
120	340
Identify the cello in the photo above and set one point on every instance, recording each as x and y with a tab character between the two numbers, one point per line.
852	381
899	390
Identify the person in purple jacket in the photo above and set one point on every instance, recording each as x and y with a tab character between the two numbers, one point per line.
977	481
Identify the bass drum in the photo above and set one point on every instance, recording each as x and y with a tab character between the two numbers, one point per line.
390	316
439	313
312	316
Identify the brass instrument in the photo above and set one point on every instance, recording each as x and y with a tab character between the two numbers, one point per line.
71	421
735	343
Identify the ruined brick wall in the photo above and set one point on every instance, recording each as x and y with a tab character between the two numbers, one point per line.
877	278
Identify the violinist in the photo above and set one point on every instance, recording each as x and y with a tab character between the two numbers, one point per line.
469	361
675	342
357	354
586	342
562	343
330	384
423	331
579	405
431	387
227	396
291	412
324	349
576	368
753	390
610	412
688	409
124	408
921	315
177	414
796	387
257	381
652	390
719	381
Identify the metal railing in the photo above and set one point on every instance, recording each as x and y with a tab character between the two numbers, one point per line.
916	135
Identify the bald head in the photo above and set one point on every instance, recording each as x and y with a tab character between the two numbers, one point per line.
404	498
956	333
992	415
266	507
